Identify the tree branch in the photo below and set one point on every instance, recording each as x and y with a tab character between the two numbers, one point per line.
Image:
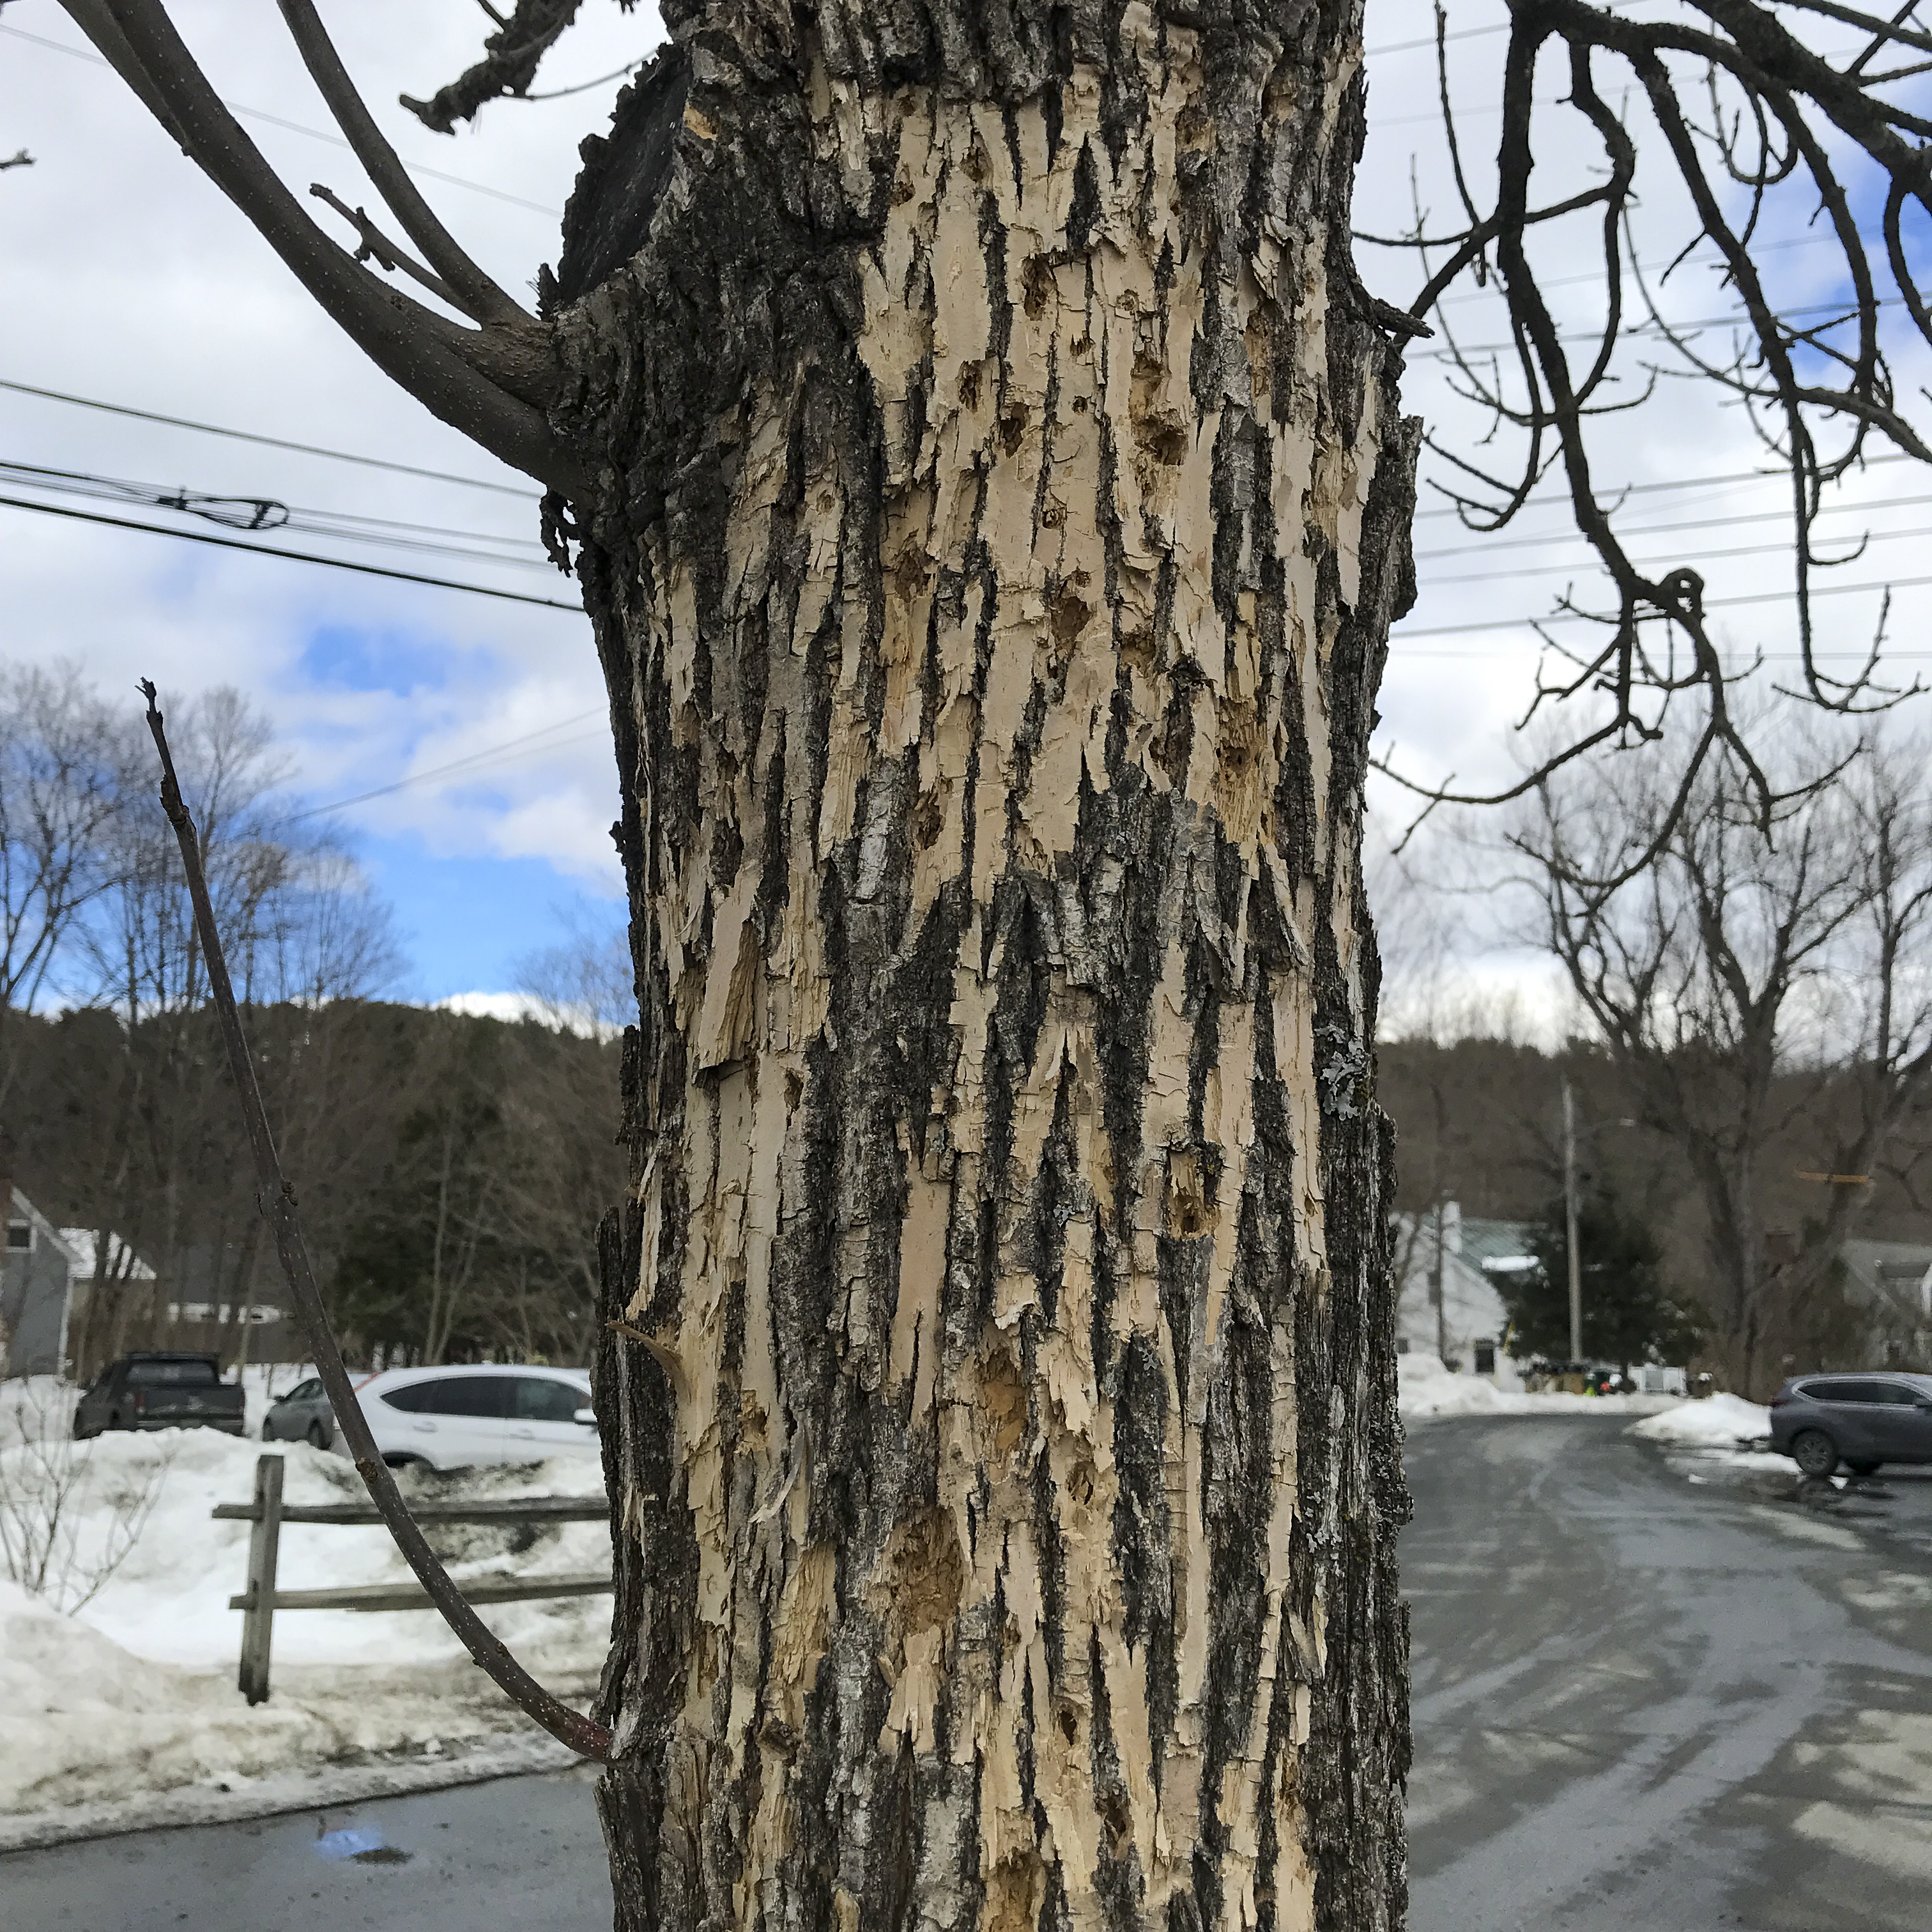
491	384
474	292
1781	117
510	57
277	1200
372	245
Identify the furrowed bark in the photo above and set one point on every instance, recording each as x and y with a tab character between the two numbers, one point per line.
1005	501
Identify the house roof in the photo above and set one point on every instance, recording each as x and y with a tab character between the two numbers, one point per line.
1486	1242
24	1210
1892	1267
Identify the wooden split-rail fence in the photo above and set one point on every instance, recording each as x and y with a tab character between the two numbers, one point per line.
268	1513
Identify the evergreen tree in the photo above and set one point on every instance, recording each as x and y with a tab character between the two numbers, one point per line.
1629	1314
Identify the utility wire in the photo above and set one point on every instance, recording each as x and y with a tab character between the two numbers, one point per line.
1402	633
1667	529
253	513
1656	330
269	442
531	496
1674	483
292	556
1650	562
297	128
476	761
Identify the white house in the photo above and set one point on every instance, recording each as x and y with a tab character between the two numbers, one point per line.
37	1276
1451	1265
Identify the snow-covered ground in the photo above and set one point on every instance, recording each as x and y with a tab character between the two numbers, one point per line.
131	1695
123	1708
1718	1422
1723	1438
1428	1392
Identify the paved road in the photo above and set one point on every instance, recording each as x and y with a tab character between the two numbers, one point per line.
1643	1703
515	1855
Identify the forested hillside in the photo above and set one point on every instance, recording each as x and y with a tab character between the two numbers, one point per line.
450	1171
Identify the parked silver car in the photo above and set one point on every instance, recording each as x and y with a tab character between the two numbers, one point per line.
1862	1420
302	1415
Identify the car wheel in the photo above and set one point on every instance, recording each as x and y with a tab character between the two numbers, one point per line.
317	1440
400	1459
1862	1469
1815	1453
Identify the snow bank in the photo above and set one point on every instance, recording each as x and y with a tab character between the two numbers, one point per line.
133	1693
1427	1392
1718	1422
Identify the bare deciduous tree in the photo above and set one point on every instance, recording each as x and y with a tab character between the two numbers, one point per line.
67	762
302	929
1750	981
1762	134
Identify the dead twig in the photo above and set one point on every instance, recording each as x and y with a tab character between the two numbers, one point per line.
277	1202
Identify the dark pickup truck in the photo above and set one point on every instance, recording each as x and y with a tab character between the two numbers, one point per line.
160	1391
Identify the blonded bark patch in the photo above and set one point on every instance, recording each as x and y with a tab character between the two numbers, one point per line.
1004	504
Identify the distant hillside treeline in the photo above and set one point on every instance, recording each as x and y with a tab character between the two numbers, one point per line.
451	1172
1479	1122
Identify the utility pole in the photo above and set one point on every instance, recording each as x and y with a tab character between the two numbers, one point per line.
1570	1223
1435	1290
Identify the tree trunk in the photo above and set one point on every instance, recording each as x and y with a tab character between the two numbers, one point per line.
1004	502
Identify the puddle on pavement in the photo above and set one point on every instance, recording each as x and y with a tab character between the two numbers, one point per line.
358	1845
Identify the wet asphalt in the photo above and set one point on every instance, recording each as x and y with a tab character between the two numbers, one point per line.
1662	1693
1650	1692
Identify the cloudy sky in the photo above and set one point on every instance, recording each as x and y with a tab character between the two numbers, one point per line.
478	720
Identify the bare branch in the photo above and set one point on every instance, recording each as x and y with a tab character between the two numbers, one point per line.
1781	117
372	245
473	292
510	57
277	1200
490	383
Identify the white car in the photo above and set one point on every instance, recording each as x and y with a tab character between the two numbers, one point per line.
453	1418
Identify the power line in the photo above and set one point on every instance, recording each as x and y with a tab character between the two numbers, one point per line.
1474	33
1650	563
1676	483
1462	34
476	761
1665	529
1656	330
298	127
251	514
292	556
271	442
1403	634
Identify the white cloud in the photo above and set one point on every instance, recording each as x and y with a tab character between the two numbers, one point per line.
131	279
